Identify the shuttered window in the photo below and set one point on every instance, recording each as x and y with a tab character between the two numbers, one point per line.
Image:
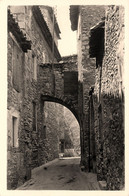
17	67
71	83
34	116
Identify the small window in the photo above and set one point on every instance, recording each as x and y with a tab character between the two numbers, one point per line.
62	145
17	67
14	132
70	82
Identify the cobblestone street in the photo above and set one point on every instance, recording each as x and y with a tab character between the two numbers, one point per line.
61	174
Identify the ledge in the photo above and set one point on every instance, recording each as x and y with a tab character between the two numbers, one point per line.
45	31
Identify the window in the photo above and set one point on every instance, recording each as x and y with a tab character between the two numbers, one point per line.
17	66
44	57
34	66
34	117
96	43
14	132
62	145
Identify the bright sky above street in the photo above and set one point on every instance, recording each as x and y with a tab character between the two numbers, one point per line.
68	44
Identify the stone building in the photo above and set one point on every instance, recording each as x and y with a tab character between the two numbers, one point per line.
109	101
30	43
82	19
36	123
100	34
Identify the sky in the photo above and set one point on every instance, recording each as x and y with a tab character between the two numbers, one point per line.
68	43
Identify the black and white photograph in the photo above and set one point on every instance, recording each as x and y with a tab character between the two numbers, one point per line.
65	97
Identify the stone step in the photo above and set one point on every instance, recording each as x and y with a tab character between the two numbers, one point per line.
102	185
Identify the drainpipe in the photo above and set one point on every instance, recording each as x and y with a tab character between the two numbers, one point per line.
89	129
53	40
90	95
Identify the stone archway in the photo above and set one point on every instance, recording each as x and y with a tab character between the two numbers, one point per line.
39	153
63	100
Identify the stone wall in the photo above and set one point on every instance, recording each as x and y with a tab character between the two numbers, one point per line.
72	130
24	99
101	93
109	103
88	17
14	109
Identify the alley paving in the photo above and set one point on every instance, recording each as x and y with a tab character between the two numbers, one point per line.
61	174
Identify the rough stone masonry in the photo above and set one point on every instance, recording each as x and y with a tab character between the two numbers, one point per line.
100	66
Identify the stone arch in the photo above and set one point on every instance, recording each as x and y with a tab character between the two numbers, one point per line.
63	100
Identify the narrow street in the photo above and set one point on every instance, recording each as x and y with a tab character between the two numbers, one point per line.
61	174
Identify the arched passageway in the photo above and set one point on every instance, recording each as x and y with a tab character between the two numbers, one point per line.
60	151
59	130
63	101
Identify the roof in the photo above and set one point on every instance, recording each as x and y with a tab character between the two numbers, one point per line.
98	25
45	30
70	58
74	12
57	29
16	31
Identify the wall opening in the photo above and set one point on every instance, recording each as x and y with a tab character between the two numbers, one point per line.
34	116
